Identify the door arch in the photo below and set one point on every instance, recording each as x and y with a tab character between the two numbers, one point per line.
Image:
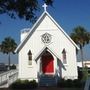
47	63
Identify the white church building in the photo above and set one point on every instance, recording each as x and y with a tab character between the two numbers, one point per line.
46	51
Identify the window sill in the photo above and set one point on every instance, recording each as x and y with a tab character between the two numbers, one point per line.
65	65
30	66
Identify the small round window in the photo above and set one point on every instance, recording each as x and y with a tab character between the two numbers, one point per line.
46	38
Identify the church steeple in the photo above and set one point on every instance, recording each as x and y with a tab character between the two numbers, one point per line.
45	7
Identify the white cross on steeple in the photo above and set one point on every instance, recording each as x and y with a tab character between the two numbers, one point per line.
44	6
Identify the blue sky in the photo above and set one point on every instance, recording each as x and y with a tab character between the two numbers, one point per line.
68	13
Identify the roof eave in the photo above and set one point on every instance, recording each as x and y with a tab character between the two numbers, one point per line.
43	49
45	12
63	31
19	46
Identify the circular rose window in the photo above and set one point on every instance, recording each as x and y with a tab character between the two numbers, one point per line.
46	38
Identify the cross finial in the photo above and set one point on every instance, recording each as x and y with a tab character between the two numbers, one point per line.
44	6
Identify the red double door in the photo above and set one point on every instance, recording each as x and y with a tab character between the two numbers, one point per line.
47	63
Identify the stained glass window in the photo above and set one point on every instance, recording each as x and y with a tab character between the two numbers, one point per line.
64	56
30	57
46	38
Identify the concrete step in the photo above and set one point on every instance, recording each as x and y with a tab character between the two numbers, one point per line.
47	81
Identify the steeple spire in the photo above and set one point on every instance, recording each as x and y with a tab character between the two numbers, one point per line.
44	6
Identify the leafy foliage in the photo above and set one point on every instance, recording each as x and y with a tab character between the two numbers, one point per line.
80	36
24	84
70	83
8	46
80	73
85	73
23	8
13	67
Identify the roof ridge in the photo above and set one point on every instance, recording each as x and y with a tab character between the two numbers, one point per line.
35	25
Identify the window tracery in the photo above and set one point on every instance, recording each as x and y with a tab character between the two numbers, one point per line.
46	38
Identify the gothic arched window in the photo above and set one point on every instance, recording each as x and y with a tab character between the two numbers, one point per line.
30	57
64	56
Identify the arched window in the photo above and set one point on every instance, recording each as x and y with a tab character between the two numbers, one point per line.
30	57
64	56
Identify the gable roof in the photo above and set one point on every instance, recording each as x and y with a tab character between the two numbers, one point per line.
43	50
33	29
52	52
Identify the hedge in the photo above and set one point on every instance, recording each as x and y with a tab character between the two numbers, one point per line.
23	84
70	83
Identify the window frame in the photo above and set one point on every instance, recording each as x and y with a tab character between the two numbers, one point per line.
29	57
64	56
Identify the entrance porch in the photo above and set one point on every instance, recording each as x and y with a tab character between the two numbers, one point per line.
48	67
47	76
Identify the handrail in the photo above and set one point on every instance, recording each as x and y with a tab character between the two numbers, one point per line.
8	72
8	77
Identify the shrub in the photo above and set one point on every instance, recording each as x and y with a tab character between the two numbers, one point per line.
80	74
65	83
78	83
33	84
85	73
70	83
23	84
61	83
13	67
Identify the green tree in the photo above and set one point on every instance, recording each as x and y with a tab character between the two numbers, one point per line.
81	37
8	45
23	8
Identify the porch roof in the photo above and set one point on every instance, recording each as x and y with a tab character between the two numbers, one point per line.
43	50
